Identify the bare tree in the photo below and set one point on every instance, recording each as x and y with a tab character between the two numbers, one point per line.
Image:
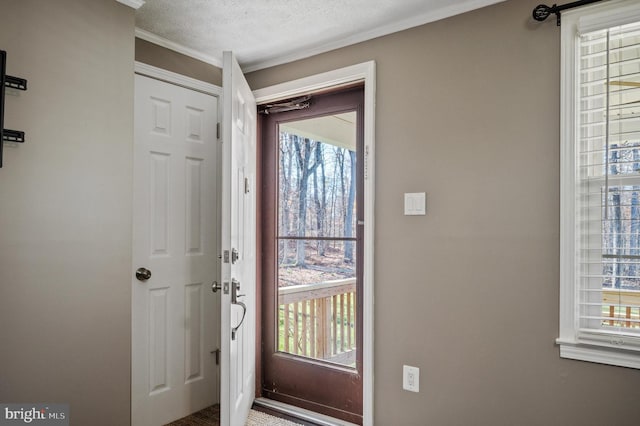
320	197
348	221
285	192
303	149
340	170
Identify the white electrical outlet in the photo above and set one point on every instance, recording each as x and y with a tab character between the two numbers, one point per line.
410	378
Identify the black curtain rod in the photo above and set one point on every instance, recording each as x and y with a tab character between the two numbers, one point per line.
542	12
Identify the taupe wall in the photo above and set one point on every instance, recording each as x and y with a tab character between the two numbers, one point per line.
468	111
65	208
160	57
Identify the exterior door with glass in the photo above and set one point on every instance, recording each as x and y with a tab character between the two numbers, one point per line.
312	240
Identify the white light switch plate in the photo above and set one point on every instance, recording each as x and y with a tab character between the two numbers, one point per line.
410	378
415	203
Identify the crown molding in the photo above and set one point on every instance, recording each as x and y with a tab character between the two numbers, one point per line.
134	4
168	44
414	21
394	27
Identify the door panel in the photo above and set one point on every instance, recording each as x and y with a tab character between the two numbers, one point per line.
173	313
238	306
311	269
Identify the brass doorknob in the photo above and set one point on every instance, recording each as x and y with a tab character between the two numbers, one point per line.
143	274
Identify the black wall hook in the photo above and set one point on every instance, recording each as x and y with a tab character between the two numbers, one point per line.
14	83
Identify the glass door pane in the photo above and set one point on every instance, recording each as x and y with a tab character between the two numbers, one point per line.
316	238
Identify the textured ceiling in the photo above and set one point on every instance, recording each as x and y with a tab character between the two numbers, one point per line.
263	33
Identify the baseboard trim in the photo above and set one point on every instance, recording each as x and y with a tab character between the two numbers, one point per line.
301	413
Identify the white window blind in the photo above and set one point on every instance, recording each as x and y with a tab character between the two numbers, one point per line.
607	209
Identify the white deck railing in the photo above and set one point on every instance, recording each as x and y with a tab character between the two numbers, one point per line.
623	307
319	320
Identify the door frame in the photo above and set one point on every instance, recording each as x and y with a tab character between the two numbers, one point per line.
215	91
364	72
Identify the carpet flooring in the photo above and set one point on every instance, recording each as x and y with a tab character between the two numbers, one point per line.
210	416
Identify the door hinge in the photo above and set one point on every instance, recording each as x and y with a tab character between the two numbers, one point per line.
217	354
246	185
218	130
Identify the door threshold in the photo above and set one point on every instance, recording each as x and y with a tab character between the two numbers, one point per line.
301	413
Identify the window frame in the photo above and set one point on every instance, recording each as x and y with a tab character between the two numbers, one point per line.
600	347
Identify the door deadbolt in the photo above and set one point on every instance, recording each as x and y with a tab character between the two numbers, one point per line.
143	274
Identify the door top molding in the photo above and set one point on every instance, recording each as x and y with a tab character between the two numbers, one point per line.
364	71
177	79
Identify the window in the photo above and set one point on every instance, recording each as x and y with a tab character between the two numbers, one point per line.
600	185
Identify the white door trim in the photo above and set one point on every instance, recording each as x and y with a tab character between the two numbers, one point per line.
177	79
361	72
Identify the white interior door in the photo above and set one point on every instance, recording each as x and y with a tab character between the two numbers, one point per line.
174	320
238	334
